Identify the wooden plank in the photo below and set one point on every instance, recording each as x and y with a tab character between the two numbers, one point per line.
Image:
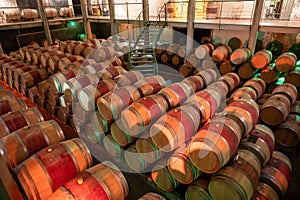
45	21
86	21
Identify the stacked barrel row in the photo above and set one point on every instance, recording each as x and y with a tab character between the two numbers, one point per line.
44	163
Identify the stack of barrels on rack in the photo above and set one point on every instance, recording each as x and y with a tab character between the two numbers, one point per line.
45	165
28	14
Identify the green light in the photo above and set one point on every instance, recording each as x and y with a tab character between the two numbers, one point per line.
72	24
280	81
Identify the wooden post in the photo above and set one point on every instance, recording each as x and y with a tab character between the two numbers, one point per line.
255	24
145	11
190	26
113	26
86	21
44	21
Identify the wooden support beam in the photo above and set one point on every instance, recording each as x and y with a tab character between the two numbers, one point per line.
190	26
145	11
86	21
113	25
44	21
255	24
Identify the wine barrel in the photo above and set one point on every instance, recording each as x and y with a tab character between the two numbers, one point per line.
245	112
231	79
50	12
65	12
134	160
198	190
73	85
234	43
264	191
47	170
277	173
287	89
176	60
12	105
63	63
192	61
63	45
257	84
176	93
275	109
243	93
31	78
43	88
128	78
163	179
181	52
120	134
13	121
99	123
88	51
16	73
111	104
148	150
175	127
6	95
240	56
112	147
164	58
151	196
221	53
226	67
238	180
261	142
246	70
88	96
29	14
150	85
110	72
141	114
203	50
53	97
103	181
45	56
195	82
172	49
79	48
75	65
287	134
102	53
71	47
37	54
181	167
261	59
52	61
221	87
286	62
206	102
12	15
214	144
57	80
82	116
185	70
19	145
209	76
31	93
93	68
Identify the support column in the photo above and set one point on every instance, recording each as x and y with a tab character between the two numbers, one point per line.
190	25
255	24
145	11
86	21
44	21
113	25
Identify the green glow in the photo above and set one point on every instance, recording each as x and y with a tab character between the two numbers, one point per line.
72	24
280	81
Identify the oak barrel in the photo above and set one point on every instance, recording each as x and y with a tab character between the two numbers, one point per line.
13	121
175	127
221	53
150	85
214	144
286	62
261	59
21	144
44	172
111	104
141	114
12	105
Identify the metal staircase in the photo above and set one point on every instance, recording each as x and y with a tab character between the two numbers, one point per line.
144	39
